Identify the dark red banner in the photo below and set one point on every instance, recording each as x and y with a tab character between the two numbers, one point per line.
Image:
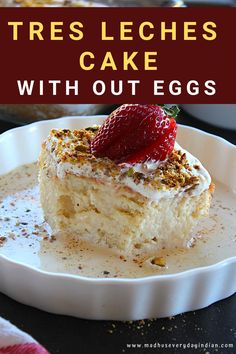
116	55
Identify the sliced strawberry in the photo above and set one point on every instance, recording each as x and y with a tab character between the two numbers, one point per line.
158	150
134	133
143	135
123	122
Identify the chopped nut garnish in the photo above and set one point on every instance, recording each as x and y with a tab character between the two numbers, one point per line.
130	172
81	148
159	261
3	239
53	238
94	128
67	146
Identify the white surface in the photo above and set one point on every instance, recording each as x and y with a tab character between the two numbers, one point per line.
221	115
118	299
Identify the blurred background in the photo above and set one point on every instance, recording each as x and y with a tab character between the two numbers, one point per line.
216	119
207	115
175	3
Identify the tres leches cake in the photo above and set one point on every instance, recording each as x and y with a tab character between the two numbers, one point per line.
126	185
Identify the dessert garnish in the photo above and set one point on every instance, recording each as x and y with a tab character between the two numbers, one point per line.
134	133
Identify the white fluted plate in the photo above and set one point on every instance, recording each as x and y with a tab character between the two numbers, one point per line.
194	279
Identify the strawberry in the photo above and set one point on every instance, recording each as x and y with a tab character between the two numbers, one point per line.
135	133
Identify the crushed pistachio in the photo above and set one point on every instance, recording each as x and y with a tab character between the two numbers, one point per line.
74	147
130	172
81	147
94	128
159	261
3	239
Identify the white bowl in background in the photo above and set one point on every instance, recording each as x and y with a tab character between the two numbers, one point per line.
221	115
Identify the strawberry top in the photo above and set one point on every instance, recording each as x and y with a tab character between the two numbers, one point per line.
134	133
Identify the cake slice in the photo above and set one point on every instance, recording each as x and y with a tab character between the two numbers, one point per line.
132	203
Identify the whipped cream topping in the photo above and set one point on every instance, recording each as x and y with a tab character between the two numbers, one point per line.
121	175
156	195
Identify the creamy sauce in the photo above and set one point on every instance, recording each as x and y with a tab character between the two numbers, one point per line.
25	237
